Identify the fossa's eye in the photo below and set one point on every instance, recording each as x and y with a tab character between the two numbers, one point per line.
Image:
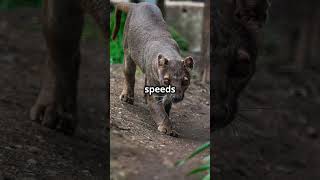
185	81
166	81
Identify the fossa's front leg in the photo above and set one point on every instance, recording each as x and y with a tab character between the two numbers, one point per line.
160	116
56	106
145	84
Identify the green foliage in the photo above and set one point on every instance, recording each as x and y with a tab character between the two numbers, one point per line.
202	168
10	4
116	49
182	42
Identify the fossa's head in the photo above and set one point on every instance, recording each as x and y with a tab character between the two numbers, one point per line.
230	74
234	56
252	13
176	73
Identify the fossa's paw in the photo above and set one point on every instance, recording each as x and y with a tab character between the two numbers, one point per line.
53	114
167	130
126	98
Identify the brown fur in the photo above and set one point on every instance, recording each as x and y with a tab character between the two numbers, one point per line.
148	44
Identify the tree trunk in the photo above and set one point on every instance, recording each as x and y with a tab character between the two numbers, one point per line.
205	46
304	50
315	37
302	46
292	45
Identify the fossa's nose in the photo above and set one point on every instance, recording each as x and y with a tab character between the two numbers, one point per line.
177	98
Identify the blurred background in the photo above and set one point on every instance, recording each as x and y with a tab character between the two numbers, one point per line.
276	133
27	149
293	34
11	4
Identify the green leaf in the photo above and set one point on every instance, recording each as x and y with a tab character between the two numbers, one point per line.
207	177
199	150
182	42
196	152
180	162
206	159
205	167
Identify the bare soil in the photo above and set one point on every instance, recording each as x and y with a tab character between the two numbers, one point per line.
28	150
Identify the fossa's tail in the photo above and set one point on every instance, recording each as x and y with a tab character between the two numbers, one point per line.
120	7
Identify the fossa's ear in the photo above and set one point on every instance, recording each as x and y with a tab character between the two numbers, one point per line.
243	56
162	61
188	62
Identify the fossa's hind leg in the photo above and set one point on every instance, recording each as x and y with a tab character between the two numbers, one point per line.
145	84
56	106
127	94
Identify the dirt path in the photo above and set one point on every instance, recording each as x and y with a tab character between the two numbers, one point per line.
28	150
138	150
